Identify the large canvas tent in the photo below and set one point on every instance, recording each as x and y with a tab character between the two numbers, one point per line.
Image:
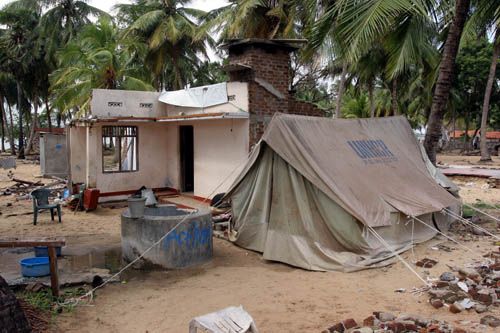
315	193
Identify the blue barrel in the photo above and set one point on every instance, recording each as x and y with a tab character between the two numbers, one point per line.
43	251
35	266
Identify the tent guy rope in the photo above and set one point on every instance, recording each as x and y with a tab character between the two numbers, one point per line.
388	247
450	238
480	211
467	222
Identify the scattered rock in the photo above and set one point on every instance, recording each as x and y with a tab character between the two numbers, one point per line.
363	330
447	276
490	320
426	263
369	321
350	323
480	308
436	303
337	328
384	316
456	308
402	324
471	273
441	284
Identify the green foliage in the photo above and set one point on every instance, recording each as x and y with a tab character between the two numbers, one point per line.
45	302
260	19
97	59
355	104
472	67
174	39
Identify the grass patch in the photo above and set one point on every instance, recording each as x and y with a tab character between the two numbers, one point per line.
44	301
469	212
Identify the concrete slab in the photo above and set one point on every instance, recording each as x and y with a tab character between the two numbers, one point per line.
470	171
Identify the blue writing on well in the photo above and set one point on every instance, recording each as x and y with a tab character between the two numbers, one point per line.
191	238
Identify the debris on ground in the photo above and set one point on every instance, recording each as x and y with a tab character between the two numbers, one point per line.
8	162
426	263
466	288
388	322
38	319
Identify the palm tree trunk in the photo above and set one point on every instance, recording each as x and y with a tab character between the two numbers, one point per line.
47	107
2	121
59	119
445	77
34	122
394	98
20	107
340	91
372	101
485	154
466	135
11	132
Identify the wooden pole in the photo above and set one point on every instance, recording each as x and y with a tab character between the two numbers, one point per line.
54	279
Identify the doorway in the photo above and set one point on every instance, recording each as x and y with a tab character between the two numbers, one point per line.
187	158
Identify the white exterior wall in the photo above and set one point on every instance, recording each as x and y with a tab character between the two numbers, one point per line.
152	160
220	145
78	148
108	103
126	103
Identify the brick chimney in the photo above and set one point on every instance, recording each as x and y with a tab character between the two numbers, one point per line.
265	65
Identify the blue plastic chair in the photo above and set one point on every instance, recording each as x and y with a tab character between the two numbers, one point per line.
41	202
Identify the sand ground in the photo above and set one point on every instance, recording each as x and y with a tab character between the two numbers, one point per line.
279	297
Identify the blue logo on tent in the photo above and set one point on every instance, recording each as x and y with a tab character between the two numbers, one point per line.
372	151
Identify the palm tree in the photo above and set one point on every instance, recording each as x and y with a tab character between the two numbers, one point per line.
402	32
96	59
485	16
61	22
485	153
266	19
19	40
445	77
7	90
174	38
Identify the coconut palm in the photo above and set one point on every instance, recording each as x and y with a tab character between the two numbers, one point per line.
384	38
261	18
19	41
174	38
96	59
485	17
7	96
445	77
64	19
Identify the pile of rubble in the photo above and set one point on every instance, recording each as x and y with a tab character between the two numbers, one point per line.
385	322
22	188
469	288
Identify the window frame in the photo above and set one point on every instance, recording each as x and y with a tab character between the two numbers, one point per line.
136	136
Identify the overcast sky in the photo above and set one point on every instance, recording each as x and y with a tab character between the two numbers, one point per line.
108	4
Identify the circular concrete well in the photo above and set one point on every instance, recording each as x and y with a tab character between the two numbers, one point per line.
187	245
